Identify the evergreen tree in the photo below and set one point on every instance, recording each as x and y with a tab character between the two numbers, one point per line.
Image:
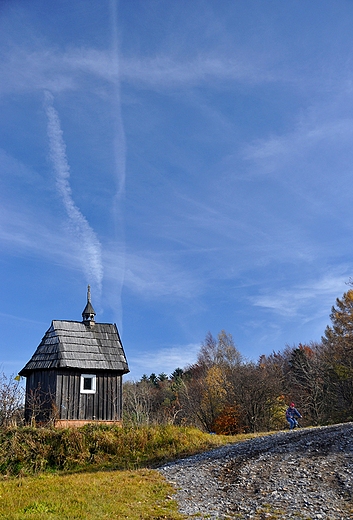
340	334
338	355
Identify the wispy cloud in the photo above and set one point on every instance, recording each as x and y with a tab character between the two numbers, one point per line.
169	72
308	299
151	275
12	167
22	319
272	154
119	134
91	256
39	69
165	360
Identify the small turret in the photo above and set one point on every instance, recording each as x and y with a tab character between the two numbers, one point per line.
88	312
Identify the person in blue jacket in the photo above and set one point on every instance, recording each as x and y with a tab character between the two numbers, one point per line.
291	414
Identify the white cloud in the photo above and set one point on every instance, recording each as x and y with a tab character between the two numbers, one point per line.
27	232
165	360
307	300
30	225
272	154
90	246
151	275
38	69
34	231
13	168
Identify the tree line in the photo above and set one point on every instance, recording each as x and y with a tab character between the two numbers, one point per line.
226	394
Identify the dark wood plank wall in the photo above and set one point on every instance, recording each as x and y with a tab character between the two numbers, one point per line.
40	395
59	392
104	405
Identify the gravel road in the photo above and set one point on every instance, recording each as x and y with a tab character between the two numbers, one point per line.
299	474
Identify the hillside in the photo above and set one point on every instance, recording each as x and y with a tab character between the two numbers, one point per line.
302	474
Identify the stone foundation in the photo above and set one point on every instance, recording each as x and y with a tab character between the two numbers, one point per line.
65	423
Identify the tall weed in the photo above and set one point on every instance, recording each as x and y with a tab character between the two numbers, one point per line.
28	450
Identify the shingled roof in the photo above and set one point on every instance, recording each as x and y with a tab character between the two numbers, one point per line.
78	345
72	344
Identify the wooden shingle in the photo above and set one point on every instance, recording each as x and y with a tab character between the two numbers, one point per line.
77	345
75	375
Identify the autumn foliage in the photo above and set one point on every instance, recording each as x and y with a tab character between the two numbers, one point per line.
228	421
225	394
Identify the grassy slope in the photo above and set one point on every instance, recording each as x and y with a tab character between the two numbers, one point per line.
87	474
26	451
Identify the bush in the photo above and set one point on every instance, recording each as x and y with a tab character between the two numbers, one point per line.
28	450
11	400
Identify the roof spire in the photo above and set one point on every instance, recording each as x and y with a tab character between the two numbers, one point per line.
88	312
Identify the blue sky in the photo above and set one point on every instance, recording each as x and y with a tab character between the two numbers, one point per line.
191	161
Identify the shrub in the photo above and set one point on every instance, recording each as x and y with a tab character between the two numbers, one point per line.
28	450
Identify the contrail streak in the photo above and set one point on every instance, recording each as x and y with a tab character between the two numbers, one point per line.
119	134
117	266
90	245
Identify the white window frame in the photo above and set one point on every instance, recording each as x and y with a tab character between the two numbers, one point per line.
92	390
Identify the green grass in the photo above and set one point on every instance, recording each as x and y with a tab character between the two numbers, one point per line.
94	472
133	495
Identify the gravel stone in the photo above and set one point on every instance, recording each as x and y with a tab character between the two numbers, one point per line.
303	474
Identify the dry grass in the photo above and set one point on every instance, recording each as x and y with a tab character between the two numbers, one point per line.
94	472
26	451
